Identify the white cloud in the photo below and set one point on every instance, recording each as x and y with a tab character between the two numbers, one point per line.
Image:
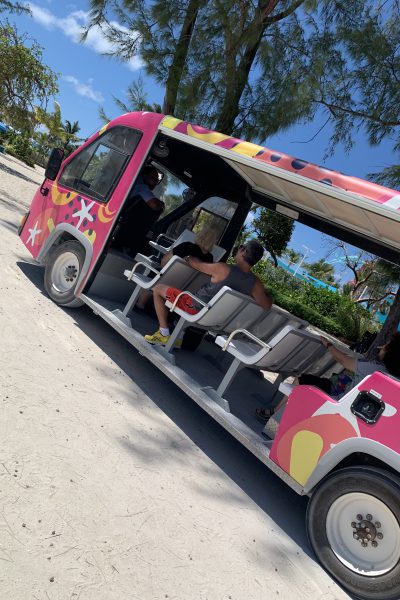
84	89
72	26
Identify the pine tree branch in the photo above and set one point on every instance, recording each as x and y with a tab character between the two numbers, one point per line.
356	113
285	13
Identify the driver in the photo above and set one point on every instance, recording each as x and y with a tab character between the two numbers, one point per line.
144	186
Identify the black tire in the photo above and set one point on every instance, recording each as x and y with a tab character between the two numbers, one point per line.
63	267
330	513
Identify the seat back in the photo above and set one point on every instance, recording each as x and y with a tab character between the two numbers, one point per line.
274	320
185	236
227	311
293	353
176	273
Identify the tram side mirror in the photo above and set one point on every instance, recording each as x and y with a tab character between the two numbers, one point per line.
367	407
54	163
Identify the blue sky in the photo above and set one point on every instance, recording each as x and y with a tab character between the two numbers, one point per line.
88	80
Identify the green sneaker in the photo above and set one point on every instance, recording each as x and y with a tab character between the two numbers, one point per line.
157	338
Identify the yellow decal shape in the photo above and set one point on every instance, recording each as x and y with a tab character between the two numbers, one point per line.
90	236
305	452
59	198
170	122
247	148
50	224
212	138
102	130
105	215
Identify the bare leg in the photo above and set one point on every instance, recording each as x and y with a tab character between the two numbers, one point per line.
159	292
143	298
282	403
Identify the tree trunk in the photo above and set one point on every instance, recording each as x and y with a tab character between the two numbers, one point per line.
180	55
389	327
237	78
233	94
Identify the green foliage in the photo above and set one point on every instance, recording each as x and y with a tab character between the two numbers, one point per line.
273	230
56	133
353	319
253	69
303	311
136	100
322	270
243	236
321	299
322	308
293	256
20	146
24	79
13	7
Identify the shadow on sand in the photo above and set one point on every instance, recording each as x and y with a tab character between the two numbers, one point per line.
272	495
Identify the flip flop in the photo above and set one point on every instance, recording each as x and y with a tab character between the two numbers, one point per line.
264	414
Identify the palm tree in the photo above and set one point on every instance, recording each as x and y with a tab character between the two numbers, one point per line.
137	100
322	270
293	256
71	129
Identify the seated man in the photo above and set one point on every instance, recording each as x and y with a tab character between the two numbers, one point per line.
144	186
143	210
356	369
238	277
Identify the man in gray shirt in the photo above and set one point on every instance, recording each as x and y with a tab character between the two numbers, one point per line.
238	277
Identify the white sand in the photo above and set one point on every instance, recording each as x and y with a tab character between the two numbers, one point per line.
113	484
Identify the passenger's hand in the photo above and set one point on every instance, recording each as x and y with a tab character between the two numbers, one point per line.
325	342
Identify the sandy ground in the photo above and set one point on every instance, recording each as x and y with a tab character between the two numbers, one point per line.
113	484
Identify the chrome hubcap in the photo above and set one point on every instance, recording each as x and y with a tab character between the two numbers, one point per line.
364	534
65	272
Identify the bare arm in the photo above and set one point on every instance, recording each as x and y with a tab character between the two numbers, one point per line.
166	258
155	204
218	271
348	361
261	296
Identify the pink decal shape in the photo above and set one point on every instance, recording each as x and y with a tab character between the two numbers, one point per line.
366	189
313	423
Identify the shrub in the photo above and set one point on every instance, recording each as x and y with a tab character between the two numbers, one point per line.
330	311
322	300
21	148
297	308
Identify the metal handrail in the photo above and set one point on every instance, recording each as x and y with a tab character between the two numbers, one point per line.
247	334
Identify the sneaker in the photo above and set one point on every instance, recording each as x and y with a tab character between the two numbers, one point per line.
178	343
157	338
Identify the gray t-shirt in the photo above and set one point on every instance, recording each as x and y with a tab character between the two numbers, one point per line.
366	367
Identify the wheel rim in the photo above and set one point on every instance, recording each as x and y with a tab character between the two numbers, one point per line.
65	272
364	534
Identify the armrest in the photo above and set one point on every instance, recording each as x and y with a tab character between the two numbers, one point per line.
246	333
160	249
140	263
165	237
189	294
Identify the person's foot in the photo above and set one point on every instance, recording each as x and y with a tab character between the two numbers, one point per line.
264	414
157	338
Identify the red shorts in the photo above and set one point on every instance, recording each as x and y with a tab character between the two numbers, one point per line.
185	302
